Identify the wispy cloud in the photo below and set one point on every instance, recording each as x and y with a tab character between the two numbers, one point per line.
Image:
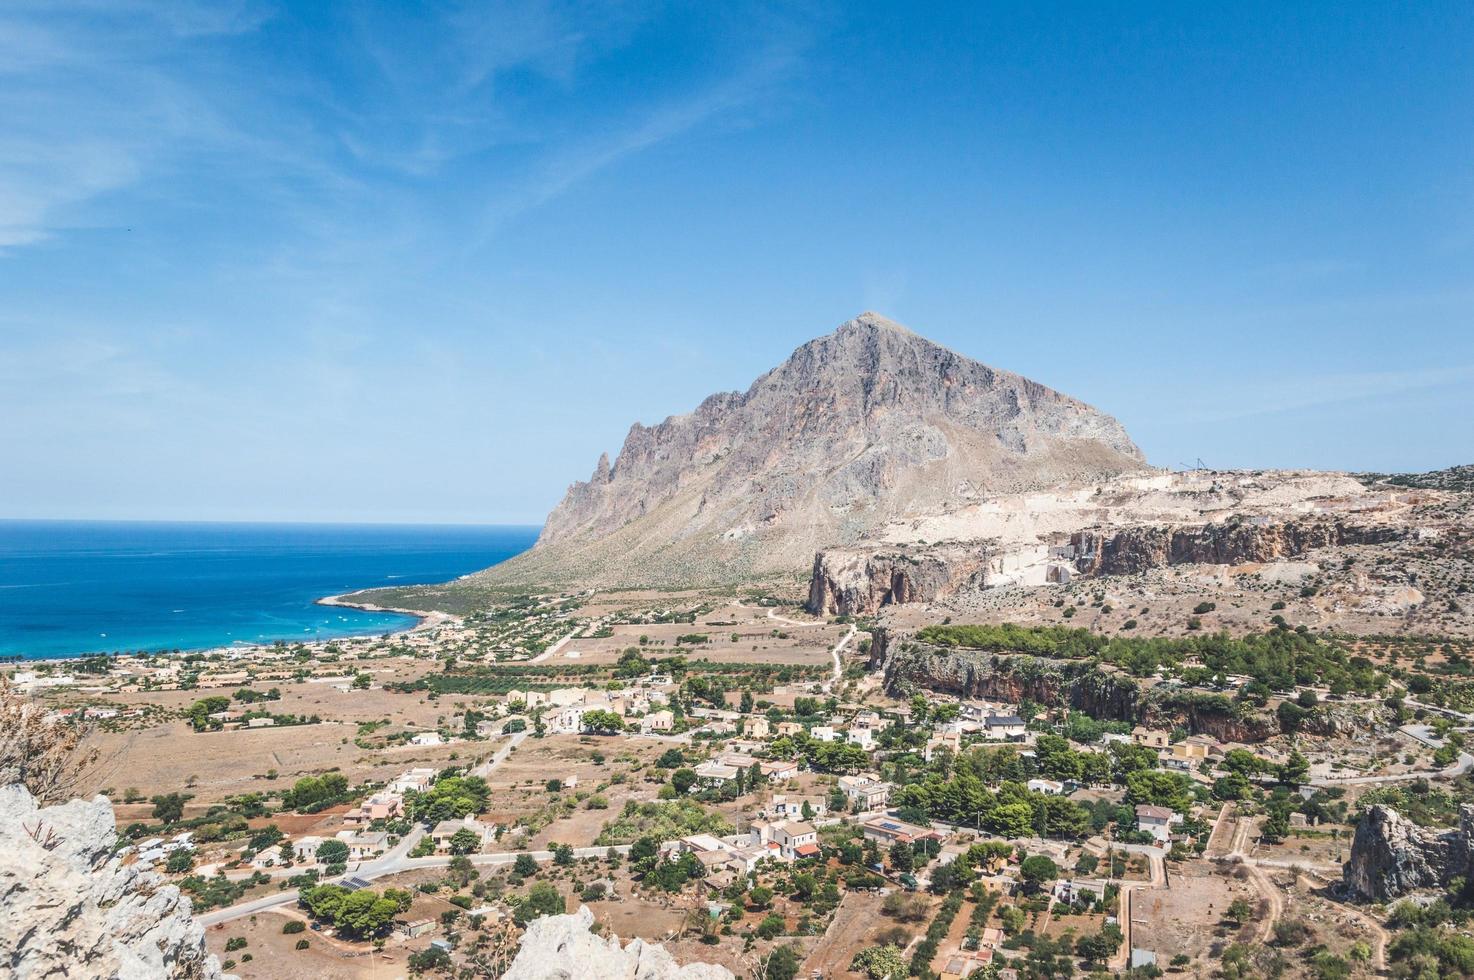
1277	395
104	98
88	108
572	165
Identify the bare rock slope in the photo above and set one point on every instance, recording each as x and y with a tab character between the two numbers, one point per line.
868	425
1391	855
70	908
560	947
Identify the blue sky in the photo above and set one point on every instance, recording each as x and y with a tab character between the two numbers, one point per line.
424	263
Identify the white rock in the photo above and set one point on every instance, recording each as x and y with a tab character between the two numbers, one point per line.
561	947
69	907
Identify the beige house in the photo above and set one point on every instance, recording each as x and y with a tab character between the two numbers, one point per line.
658	721
1150	737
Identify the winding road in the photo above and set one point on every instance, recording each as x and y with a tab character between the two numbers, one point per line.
392	863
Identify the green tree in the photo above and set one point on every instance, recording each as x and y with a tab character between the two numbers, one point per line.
781	963
1239	911
542	899
169	807
465	841
1012	820
1037	870
332	852
364	913
880	962
683	779
602	722
1296	769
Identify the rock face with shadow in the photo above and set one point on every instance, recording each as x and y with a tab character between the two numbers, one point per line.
71	907
861	427
1392	856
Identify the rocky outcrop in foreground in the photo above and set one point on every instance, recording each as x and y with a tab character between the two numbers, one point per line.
70	908
1391	855
561	947
858	582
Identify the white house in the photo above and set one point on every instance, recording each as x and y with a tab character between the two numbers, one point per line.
792	807
1004	726
364	846
797	840
417	780
865	792
304	849
567	720
712	771
1050	786
779	769
1157	821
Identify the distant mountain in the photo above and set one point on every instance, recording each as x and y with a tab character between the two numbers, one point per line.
858	428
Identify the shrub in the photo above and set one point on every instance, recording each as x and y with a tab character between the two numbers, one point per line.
295	926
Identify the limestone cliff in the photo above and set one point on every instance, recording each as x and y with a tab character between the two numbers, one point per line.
867	425
1391	855
561	947
978	674
70	908
1134	549
1079	684
858	582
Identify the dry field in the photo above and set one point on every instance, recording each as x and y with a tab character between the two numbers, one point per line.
1186	916
274	956
519	785
172	758
761	636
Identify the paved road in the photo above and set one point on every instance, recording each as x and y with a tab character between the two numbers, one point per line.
548	653
1462	716
500	755
394	862
1461	766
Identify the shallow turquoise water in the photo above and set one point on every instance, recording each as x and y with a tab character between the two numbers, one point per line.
73	587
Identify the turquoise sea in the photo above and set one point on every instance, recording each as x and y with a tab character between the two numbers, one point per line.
75	587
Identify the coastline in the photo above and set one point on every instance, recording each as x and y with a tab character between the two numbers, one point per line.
426	619
223	588
423	621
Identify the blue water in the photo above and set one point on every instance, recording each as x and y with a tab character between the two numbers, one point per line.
75	587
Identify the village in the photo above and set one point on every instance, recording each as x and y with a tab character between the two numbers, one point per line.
727	778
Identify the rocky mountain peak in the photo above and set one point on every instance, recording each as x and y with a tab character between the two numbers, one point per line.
867	424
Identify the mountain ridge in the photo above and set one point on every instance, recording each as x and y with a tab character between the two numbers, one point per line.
868	424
